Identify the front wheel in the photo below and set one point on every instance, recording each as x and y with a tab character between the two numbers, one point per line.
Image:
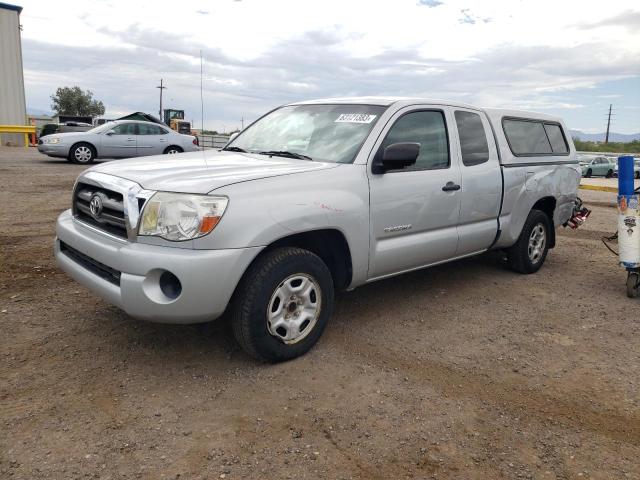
282	305
82	153
588	174
530	251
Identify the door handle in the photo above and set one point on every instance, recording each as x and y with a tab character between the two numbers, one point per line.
450	187
131	139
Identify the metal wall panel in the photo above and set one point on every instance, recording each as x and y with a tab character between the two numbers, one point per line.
13	110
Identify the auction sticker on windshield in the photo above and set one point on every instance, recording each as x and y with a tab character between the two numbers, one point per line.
355	118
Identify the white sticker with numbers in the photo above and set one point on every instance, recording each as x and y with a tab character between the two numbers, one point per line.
355	118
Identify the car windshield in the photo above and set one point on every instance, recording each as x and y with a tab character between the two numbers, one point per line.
326	133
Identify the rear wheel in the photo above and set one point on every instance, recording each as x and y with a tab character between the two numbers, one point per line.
609	174
638	175
172	150
530	251
82	153
633	285
282	304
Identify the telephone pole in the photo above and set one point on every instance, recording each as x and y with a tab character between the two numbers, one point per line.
161	87
606	138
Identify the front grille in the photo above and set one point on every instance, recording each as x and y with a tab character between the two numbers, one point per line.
103	271
110	219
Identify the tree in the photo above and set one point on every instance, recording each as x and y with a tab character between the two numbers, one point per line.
75	101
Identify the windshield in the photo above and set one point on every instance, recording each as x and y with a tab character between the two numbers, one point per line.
326	133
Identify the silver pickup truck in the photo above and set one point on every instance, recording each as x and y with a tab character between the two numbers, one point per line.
313	198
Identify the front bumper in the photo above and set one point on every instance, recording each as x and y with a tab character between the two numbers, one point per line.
208	277
54	150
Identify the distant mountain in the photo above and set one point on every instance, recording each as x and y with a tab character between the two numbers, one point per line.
38	111
599	137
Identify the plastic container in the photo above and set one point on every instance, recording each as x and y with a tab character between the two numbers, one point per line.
625	175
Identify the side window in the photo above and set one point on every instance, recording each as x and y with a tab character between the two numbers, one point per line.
473	139
558	143
145	129
526	137
427	128
125	129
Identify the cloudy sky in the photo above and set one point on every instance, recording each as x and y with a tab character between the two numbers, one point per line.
567	58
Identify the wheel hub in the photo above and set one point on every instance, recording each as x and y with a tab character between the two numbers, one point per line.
294	308
537	243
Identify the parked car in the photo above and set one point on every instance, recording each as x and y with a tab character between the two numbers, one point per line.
117	139
604	166
51	128
315	198
636	168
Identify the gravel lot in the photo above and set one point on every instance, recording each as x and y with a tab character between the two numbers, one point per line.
462	371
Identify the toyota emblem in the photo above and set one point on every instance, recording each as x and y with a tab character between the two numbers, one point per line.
95	205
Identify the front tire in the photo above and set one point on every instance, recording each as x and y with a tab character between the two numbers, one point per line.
588	174
282	305
82	153
530	251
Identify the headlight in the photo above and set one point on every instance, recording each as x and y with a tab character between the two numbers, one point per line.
179	216
51	140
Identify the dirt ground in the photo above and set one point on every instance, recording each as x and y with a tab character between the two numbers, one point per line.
464	371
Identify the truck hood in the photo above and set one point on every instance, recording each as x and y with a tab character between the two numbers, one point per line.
204	171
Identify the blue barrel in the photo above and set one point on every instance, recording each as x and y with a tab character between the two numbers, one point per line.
625	175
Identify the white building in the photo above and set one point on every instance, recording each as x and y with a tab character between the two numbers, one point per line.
13	108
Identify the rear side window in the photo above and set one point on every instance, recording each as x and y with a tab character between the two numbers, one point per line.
429	130
526	137
473	139
556	138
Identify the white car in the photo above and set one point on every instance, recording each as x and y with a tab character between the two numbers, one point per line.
117	139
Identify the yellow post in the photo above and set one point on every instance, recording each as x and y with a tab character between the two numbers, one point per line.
24	129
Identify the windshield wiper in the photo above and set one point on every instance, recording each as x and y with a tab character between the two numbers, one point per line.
284	153
234	149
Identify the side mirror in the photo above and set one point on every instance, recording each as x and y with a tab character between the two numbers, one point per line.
110	132
397	156
233	136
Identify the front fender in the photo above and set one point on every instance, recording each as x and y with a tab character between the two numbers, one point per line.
263	211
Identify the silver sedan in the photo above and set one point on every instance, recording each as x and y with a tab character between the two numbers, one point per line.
117	139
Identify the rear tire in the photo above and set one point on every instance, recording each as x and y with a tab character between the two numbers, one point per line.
638	175
530	251
282	305
633	285
609	174
172	150
82	153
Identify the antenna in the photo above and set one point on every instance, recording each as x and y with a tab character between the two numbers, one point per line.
201	101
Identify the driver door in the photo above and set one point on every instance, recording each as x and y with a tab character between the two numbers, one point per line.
414	212
120	141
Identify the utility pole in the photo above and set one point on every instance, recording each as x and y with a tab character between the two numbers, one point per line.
161	87
242	124
606	138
